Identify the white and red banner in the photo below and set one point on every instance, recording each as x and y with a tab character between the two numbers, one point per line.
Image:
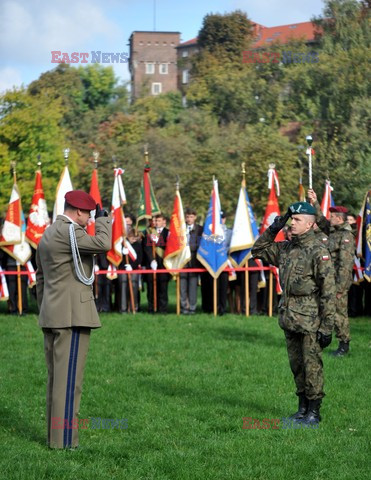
327	200
118	224
12	238
64	186
4	292
95	193
38	218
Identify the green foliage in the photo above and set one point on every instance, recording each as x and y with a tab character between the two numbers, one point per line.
29	126
225	36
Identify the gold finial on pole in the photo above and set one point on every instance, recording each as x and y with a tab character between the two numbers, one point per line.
66	154
146	153
177	183
13	164
39	161
114	161
272	165
243	173
96	159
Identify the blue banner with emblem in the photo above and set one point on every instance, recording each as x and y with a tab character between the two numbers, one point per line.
212	252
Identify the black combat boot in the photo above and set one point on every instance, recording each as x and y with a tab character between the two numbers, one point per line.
342	350
313	416
302	409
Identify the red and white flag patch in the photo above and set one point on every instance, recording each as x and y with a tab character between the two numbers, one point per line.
346	240
325	257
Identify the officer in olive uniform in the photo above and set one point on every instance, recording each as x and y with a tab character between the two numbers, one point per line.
307	306
341	245
64	278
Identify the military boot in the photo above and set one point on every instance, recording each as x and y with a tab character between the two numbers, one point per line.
342	349
313	416
302	409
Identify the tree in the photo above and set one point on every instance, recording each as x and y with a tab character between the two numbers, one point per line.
29	126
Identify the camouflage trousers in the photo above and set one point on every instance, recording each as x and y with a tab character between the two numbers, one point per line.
341	324
305	357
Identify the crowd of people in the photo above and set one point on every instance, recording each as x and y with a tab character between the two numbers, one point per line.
112	292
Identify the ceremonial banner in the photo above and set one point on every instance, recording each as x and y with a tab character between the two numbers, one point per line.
212	252
12	239
64	186
31	274
4	292
327	200
177	252
271	212
95	193
11	233
360	222
38	218
148	206
118	225
245	230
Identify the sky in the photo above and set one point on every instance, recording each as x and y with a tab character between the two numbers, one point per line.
31	29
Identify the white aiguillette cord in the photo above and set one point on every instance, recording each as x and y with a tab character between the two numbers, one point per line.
80	272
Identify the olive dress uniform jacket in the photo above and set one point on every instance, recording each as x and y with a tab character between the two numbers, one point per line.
63	300
307	278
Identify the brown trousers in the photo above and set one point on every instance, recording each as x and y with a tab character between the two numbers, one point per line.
65	354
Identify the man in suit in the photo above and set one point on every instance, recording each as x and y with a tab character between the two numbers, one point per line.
65	297
189	281
154	244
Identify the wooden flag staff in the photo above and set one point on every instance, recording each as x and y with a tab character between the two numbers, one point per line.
19	283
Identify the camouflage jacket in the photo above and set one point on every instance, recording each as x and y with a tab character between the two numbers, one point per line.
341	245
307	279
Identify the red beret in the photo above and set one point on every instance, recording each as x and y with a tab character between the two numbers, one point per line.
339	209
80	199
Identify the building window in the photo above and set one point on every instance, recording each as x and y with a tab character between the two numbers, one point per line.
150	68
156	88
185	76
185	53
164	68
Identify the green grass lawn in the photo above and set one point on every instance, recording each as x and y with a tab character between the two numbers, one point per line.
184	384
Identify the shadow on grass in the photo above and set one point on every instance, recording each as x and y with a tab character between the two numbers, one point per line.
15	424
241	335
196	397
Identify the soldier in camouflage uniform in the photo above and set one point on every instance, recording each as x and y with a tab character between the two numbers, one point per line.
341	245
307	307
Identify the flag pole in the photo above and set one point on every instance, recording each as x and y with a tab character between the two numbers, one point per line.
130	281
270	299
19	284
146	161
215	297
96	159
177	275
247	298
309	140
